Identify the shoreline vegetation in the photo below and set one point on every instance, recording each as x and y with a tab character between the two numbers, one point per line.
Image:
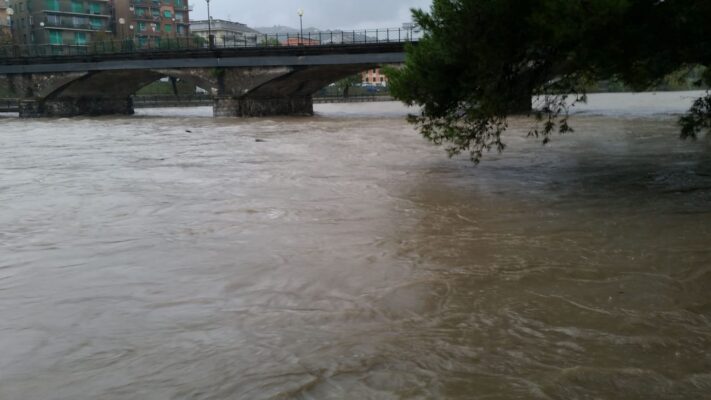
468	78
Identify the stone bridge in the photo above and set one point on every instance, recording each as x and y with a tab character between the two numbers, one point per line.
243	82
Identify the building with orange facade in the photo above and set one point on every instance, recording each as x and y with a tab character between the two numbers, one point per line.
301	41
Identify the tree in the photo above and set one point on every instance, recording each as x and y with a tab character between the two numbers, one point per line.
269	41
5	37
345	84
482	60
198	41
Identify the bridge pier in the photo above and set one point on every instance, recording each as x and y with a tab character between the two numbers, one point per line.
72	107
262	107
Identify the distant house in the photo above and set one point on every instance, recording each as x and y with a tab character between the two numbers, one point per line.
374	77
297	41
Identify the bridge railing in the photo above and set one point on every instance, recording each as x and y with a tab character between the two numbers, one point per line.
254	41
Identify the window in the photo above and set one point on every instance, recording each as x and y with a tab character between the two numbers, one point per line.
55	37
80	38
141	26
52	5
168	28
179	3
77	6
95	8
79	22
140	12
179	16
96	23
167	14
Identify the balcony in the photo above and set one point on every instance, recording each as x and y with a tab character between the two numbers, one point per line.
148	18
69	25
88	13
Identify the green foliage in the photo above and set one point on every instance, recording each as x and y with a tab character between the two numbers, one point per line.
166	89
5	37
480	60
697	119
345	84
269	41
5	91
199	41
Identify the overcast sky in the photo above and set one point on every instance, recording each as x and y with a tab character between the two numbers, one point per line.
322	14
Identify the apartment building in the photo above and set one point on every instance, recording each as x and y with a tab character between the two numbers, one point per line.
80	22
151	21
60	22
226	33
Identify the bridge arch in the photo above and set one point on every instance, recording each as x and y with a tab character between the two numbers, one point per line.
241	91
94	93
288	92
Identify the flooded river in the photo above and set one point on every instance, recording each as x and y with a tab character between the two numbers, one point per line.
170	255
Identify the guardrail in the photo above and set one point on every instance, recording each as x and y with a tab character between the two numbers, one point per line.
9	105
352	99
196	100
136	45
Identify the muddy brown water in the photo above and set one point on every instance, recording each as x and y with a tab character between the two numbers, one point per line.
173	256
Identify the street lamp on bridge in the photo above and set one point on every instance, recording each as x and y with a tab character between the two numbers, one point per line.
301	25
10	12
122	33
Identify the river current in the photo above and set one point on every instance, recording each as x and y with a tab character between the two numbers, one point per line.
170	255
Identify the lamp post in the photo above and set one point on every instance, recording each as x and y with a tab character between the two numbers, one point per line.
10	12
301	25
122	33
210	38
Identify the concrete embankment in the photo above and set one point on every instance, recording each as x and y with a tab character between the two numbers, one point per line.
11	105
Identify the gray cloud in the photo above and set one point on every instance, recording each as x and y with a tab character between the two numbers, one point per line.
323	14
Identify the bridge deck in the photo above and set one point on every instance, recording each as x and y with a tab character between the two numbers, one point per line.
378	53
